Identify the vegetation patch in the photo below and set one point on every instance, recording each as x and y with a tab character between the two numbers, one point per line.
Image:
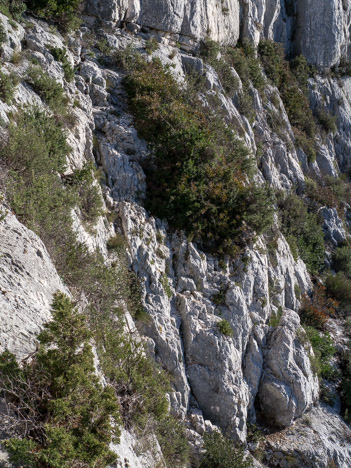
318	308
245	62
65	13
222	452
13	9
291	80
302	231
274	319
48	89
66	417
225	328
198	175
8	85
61	56
324	350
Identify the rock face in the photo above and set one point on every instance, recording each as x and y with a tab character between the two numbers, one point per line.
217	379
28	280
288	387
318	30
322	31
319	439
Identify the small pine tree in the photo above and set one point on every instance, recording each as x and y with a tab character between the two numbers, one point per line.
221	452
70	418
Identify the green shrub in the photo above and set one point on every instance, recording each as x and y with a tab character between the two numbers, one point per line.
303	231
36	143
221	452
8	85
13	8
117	242
243	59
339	287
342	260
63	12
3	34
323	349
328	191
210	50
346	383
61	56
197	178
48	89
274	319
173	441
291	80
74	423
225	328
327	121
219	298
89	199
127	58
166	286
151	45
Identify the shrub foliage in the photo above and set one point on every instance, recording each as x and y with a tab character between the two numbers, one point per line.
198	175
67	417
221	452
302	231
291	80
63	12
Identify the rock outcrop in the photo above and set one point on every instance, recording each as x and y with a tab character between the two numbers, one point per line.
261	371
28	280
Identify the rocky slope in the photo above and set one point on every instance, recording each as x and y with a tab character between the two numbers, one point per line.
263	372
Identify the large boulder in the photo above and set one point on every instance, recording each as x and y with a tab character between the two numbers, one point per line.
288	386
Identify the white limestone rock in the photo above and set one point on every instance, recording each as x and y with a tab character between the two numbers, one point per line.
28	280
288	387
322	33
319	439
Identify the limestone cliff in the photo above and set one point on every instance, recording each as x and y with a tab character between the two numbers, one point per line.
262	373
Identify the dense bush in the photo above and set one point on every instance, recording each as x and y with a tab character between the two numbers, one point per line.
221	452
151	45
323	349
327	121
243	59
213	54
13	8
89	198
303	231
8	85
329	191
61	56
63	12
317	308
342	260
346	383
48	89
67	417
291	80
197	178
225	328
339	287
